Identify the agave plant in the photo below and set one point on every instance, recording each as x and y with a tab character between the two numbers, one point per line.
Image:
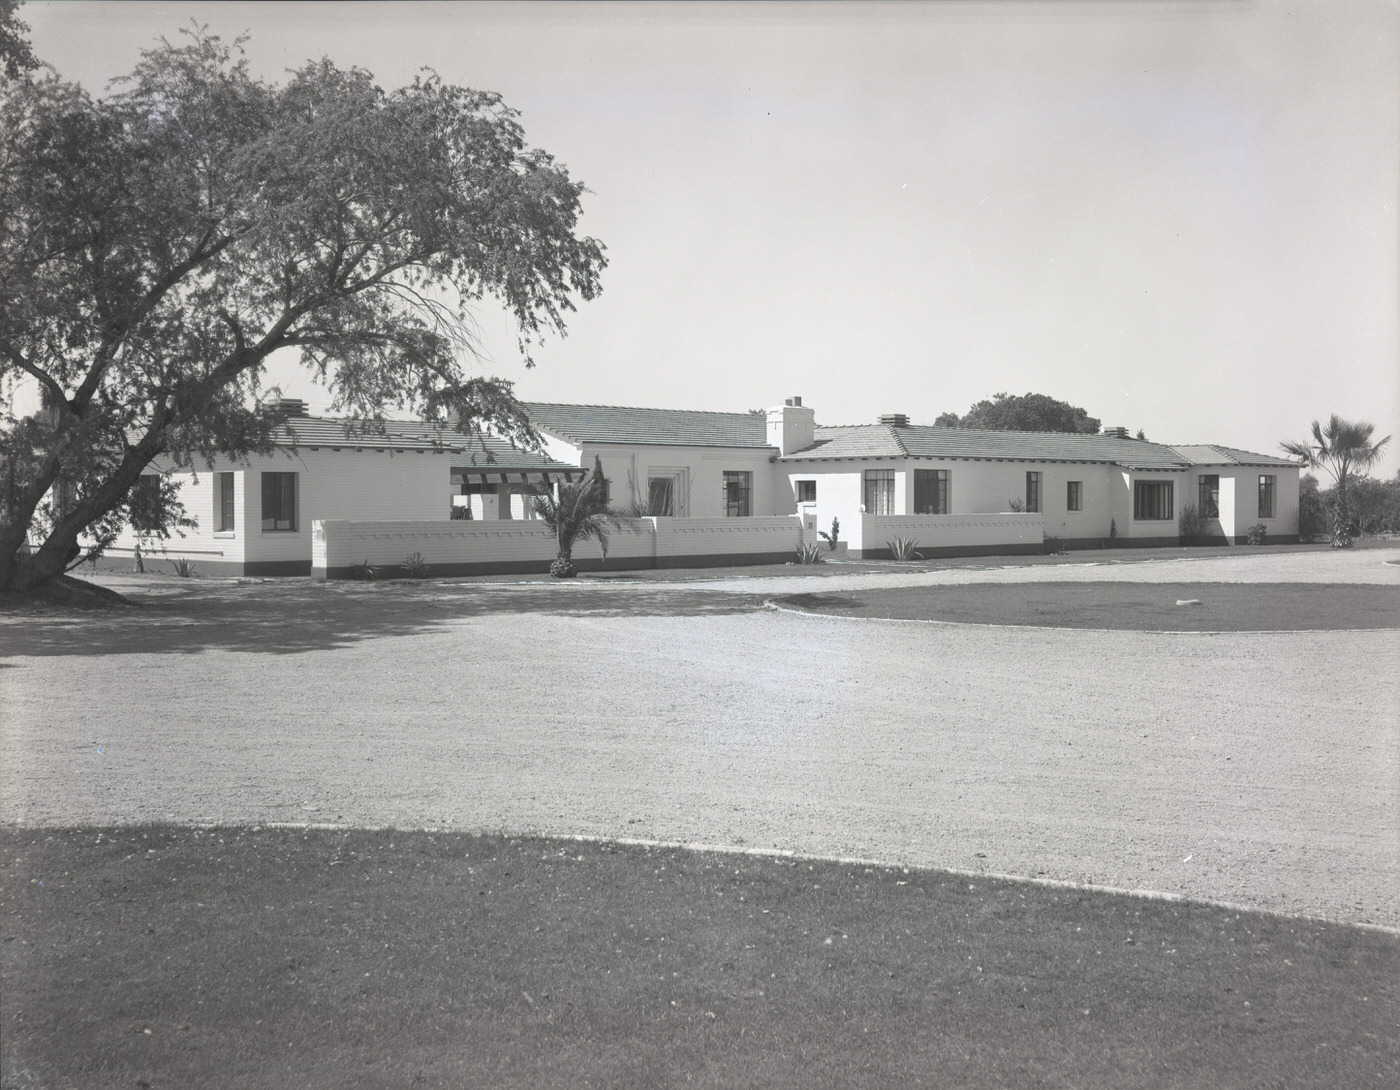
904	548
184	567
810	554
574	513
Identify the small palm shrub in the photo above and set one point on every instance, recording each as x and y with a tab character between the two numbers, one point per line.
414	566
184	568
1257	534
810	554
904	548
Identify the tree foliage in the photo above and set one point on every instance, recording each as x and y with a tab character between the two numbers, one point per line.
159	245
16	58
1032	412
1345	449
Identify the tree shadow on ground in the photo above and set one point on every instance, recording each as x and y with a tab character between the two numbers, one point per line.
291	616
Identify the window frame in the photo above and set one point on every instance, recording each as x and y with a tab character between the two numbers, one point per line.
738	493
1268	488
1208	495
286	500
805	491
932	490
877	491
225	506
1074	495
1034	479
1142	508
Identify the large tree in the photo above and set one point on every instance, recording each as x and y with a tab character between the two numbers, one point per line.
1033	412
1345	449
158	245
16	57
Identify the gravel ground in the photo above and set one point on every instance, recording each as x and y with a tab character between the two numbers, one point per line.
1258	769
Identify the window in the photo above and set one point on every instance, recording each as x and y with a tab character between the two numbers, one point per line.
1033	490
879	492
738	493
1152	501
223	503
146	503
1209	500
930	491
1266	495
1074	496
279	501
661	496
806	491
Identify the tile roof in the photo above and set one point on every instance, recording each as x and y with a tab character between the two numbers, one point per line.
1212	454
662	427
467	451
923	441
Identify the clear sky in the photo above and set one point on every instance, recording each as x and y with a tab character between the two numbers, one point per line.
1179	216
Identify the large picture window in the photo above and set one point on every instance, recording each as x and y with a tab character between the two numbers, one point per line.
738	493
930	491
1152	501
1033	490
1267	491
279	501
879	492
223	503
1208	500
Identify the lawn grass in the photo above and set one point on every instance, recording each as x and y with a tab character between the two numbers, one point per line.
1144	607
179	957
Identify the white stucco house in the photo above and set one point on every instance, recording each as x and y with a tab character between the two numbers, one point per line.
708	487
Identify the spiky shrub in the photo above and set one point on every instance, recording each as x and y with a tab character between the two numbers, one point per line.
1257	534
1054	546
904	548
184	568
810	554
414	566
832	538
365	572
1016	505
1191	525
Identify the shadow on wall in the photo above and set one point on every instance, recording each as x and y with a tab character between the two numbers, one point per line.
290	617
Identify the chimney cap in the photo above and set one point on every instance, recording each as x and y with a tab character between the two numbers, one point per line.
795	402
895	420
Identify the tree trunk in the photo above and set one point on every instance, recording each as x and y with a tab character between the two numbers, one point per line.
1341	517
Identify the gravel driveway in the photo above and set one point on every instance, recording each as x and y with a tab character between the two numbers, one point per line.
1260	769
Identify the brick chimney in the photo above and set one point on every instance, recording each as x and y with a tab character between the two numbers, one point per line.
791	426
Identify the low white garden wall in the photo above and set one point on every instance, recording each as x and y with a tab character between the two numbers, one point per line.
936	535
483	547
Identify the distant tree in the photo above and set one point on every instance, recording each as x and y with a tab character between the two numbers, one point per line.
1312	509
157	246
577	512
1032	412
1375	505
16	57
1343	448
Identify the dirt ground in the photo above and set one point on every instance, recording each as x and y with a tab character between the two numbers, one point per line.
1254	768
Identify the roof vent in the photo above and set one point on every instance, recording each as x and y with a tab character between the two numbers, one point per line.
290	406
795	402
1116	433
895	420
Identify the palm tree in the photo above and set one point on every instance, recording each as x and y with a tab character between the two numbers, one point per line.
577	512
1345	450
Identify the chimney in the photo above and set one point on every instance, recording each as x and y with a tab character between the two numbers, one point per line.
791	426
1116	433
290	406
895	420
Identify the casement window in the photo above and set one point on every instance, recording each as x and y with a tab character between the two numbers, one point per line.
1267	491
806	491
1208	501
279	501
661	496
930	491
879	492
1152	501
738	493
1074	495
224	521
1033	490
146	503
